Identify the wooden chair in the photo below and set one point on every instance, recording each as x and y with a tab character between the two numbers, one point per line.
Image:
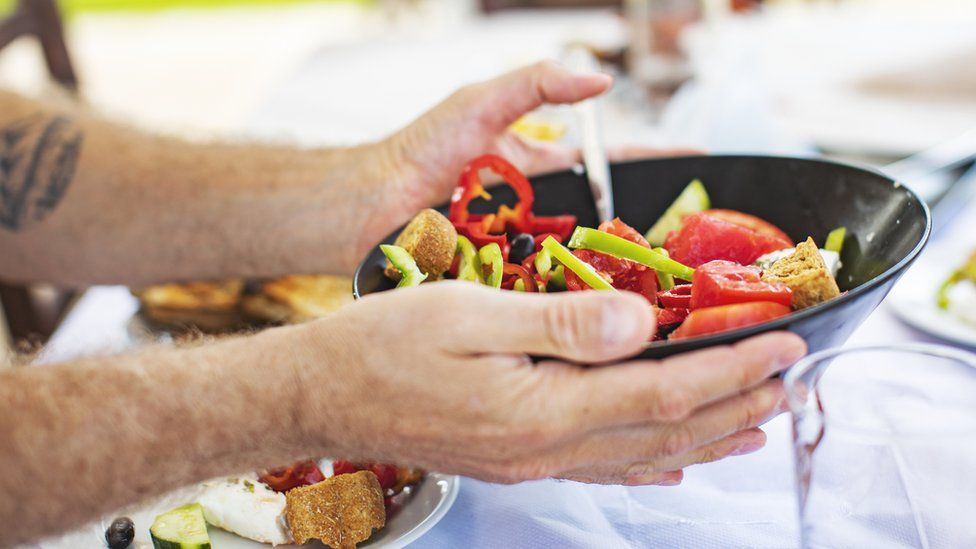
26	315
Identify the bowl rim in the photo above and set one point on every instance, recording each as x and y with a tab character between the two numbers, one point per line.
777	323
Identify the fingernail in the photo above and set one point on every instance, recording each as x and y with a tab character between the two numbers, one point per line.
748	448
670	482
618	323
788	357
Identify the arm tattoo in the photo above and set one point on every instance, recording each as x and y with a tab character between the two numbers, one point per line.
37	163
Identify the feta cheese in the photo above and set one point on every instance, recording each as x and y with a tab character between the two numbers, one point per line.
247	507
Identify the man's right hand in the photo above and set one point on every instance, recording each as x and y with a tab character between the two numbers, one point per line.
439	377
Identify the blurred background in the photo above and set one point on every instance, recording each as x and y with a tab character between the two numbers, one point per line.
870	81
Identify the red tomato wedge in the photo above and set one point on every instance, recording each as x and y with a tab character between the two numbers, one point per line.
711	320
623	274
670	317
678	297
623	230
724	283
749	221
703	238
303	473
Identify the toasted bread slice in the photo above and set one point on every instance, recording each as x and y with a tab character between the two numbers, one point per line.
341	511
805	272
208	306
298	298
430	238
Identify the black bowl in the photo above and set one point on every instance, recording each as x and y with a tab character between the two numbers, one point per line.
887	226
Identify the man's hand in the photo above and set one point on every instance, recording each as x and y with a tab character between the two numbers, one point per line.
426	157
438	377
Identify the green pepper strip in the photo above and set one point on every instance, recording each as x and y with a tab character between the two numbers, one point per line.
584	270
543	262
599	241
469	268
491	256
835	240
558	278
664	280
410	274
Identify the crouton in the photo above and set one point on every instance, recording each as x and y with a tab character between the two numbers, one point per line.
298	298
805	272
208	306
341	511
431	240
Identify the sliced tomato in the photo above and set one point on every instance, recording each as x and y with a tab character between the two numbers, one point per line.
303	473
724	283
711	320
622	273
670	317
678	297
703	238
749	221
623	230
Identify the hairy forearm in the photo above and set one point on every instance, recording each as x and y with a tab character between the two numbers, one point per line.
85	201
85	438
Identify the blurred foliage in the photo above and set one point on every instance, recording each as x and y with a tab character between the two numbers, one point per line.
71	7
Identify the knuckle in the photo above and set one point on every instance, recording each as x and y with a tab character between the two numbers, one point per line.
562	327
673	404
754	411
710	454
678	440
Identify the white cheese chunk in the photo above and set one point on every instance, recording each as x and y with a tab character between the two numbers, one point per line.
246	507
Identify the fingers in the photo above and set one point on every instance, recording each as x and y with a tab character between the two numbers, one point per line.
633	152
667	442
670	390
667	472
503	100
588	327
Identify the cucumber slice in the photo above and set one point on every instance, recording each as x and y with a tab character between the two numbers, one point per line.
181	528
835	240
694	198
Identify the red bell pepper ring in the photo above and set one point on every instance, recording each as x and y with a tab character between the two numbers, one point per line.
678	297
477	235
520	273
560	225
470	187
540	238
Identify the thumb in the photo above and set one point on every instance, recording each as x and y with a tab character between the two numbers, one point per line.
503	100
589	326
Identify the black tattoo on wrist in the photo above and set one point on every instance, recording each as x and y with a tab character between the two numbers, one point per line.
37	163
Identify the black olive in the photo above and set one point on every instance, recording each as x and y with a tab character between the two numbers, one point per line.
120	533
522	246
253	286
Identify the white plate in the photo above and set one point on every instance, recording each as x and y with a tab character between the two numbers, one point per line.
425	508
913	298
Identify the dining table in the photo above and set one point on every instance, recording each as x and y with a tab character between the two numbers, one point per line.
747	501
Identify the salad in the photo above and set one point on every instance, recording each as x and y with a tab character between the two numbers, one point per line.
703	270
339	503
957	294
